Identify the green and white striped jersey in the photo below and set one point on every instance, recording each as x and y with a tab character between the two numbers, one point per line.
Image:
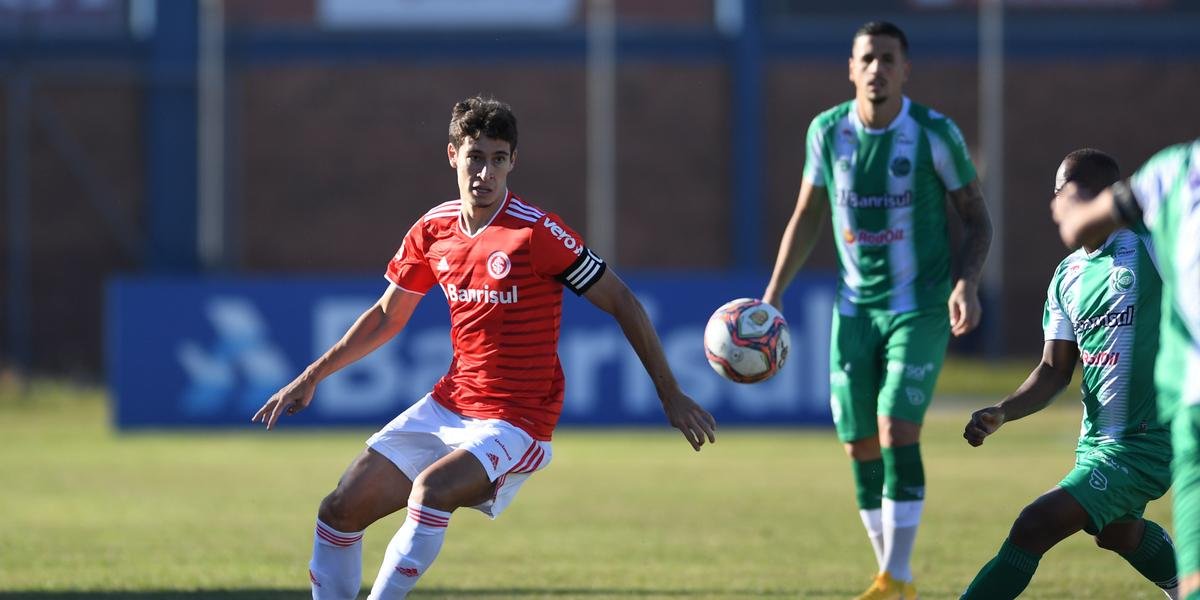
887	193
1107	302
1167	192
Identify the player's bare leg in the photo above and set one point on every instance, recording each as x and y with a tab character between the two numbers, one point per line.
1147	548
456	480
370	489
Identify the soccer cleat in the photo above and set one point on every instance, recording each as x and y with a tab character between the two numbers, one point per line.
886	588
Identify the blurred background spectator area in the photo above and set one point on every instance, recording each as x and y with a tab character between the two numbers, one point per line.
269	137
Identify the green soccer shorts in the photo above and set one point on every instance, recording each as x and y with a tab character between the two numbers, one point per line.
1185	436
884	364
1114	482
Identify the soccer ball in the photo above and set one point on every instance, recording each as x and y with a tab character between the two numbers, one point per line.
746	340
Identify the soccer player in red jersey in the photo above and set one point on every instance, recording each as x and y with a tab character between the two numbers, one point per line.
485	427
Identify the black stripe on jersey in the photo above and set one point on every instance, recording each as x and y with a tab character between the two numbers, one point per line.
537	344
583	273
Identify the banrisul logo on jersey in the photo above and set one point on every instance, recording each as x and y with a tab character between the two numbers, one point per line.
1121	280
486	295
1116	318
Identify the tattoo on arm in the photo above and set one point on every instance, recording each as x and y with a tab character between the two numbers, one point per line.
977	230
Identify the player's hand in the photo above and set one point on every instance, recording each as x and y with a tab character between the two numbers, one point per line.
291	399
690	419
965	309
984	422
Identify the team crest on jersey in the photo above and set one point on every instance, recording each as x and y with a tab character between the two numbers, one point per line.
498	264
1121	280
901	166
842	164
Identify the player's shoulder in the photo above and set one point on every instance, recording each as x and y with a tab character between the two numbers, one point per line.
522	213
928	117
442	214
1071	264
832	116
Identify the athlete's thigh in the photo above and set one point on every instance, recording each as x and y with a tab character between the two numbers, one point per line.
371	488
854	376
1051	518
455	480
914	348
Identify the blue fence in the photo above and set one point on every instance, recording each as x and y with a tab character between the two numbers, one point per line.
208	352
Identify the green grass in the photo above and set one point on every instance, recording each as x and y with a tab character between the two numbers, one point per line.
89	513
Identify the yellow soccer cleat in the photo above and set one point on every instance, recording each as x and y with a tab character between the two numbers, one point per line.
886	588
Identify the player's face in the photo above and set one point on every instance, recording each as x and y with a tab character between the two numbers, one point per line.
482	166
878	68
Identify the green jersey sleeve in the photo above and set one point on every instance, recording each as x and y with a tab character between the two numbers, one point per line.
950	156
814	161
1154	180
1056	324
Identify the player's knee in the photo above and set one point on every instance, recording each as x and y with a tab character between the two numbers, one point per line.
1120	542
864	449
1033	529
337	512
430	491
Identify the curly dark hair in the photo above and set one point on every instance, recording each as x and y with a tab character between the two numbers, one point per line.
479	116
1091	169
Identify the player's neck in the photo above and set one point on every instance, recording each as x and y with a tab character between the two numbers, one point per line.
878	116
475	218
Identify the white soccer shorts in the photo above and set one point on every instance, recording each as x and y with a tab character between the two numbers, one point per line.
427	431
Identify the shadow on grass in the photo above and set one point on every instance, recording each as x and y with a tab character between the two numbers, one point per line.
294	594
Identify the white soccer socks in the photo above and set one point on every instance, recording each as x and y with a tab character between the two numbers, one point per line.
410	552
900	521
872	520
335	571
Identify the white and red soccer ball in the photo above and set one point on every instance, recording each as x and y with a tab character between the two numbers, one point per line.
746	340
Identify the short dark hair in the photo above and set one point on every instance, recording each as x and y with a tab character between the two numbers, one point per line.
883	28
479	116
1091	169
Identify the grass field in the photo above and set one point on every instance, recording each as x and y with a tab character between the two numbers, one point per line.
88	513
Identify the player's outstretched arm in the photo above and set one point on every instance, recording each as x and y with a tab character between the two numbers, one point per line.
611	295
377	325
1047	380
803	229
1081	217
965	310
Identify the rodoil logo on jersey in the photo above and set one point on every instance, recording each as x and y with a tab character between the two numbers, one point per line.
485	295
865	237
1103	358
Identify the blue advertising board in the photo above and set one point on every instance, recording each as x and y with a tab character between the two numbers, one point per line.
209	351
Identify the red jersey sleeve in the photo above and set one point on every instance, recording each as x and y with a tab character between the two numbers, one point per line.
558	252
408	269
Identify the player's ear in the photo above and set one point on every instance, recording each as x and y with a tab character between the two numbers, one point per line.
452	155
850	67
512	161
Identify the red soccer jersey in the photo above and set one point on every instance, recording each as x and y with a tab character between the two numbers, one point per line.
504	287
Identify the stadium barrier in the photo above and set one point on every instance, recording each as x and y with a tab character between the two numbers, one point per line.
198	352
